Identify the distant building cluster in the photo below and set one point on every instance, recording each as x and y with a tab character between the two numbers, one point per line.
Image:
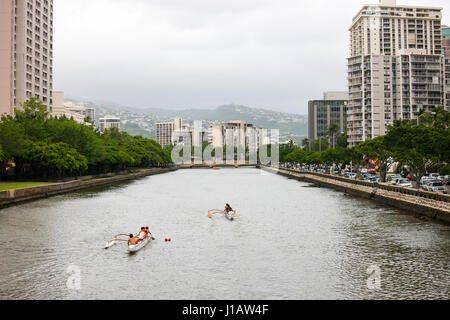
70	110
237	133
399	65
233	133
176	133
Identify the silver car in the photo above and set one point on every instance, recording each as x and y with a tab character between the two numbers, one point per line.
437	187
405	183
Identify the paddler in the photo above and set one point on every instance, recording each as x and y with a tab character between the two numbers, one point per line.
228	209
141	235
147	230
132	240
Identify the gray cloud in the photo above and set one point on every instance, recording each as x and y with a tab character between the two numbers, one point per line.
204	53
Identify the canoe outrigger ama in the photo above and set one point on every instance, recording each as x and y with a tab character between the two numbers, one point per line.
232	215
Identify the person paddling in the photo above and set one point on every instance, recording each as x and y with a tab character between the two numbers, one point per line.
132	240
228	209
141	235
149	234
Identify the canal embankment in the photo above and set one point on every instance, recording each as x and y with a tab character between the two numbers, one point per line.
433	205
17	196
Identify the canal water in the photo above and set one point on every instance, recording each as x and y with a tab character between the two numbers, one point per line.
292	241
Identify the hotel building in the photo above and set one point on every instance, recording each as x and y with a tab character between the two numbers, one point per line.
26	53
165	131
322	113
446	52
109	122
395	67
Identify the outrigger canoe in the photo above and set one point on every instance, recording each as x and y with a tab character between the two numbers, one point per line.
140	245
231	216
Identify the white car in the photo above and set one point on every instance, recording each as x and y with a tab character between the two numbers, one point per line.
427	184
405	183
392	179
437	187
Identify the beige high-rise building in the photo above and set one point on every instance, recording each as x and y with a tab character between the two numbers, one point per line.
70	110
26	52
164	133
395	68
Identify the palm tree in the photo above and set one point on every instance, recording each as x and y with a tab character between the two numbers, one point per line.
305	143
333	129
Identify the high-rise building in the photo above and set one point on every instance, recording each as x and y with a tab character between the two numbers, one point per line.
164	132
183	135
322	113
109	122
216	136
174	133
395	67
238	134
235	133
26	53
446	52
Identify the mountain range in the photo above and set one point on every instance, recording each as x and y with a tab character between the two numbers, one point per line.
137	121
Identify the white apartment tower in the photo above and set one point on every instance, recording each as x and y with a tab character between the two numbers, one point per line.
395	67
26	52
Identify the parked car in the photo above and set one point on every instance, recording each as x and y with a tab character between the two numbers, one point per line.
350	175
437	187
392	179
372	171
426	184
374	179
404	183
424	179
434	175
446	179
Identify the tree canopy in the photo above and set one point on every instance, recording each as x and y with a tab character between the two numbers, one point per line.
43	146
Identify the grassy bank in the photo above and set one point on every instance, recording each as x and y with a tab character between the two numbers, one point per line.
22	185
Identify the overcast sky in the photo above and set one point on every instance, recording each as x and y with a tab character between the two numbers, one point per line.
177	54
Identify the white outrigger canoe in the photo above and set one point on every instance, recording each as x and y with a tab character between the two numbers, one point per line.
140	245
231	216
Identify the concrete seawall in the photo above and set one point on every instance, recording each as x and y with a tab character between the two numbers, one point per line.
436	207
12	197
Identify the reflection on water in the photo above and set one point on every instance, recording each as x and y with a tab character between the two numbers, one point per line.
292	241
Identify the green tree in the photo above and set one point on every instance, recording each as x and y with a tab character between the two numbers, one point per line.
320	145
342	140
419	148
305	143
297	156
56	158
377	149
